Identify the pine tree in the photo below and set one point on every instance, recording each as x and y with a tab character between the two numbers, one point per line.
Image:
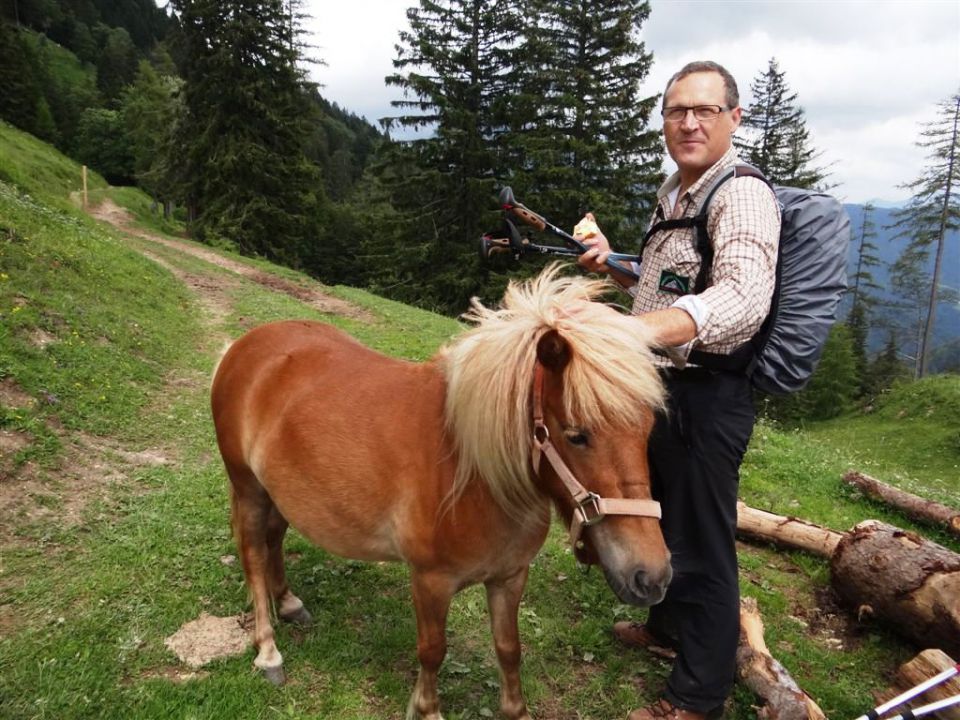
863	281
450	67
149	108
887	368
775	136
909	281
933	212
242	168
21	95
580	137
863	301
116	64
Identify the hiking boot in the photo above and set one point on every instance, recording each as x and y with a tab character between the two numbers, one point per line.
634	634
665	710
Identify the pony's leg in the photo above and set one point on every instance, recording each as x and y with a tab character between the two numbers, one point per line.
431	600
251	507
289	606
503	599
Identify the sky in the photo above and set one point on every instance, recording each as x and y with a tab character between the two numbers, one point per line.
867	73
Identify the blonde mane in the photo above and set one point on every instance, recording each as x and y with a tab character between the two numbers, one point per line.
489	370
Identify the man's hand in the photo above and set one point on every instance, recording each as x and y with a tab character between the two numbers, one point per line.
595	258
598	250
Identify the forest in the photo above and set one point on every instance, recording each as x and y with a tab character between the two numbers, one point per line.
208	107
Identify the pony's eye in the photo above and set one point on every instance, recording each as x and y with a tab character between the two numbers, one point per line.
576	436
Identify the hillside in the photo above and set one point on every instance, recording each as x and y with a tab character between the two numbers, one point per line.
114	500
889	248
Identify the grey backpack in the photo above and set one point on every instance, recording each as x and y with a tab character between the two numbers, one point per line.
811	280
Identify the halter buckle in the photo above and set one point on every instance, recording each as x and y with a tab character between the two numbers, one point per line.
589	507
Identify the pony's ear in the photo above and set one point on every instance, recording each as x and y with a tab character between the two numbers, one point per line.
553	351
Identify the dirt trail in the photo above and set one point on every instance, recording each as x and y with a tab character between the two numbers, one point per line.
110	212
90	467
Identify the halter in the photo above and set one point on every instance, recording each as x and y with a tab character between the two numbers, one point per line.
589	508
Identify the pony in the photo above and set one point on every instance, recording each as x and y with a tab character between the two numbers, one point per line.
449	465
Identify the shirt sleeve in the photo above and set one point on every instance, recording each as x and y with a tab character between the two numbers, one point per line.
744	227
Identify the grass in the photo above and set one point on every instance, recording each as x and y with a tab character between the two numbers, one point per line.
116	351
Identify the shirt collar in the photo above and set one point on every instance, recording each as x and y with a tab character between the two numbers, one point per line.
730	157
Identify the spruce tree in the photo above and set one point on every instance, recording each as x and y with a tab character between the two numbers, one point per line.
149	108
580	137
932	213
21	94
450	66
774	136
887	368
909	282
242	168
862	299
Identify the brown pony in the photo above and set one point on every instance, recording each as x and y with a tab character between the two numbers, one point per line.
438	464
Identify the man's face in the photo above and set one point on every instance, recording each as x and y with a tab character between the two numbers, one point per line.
694	144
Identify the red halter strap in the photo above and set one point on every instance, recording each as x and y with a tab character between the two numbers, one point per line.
589	508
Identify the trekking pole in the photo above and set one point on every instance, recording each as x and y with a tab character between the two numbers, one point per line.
911	693
528	216
927	709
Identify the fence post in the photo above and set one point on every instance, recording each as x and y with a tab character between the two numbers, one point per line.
84	187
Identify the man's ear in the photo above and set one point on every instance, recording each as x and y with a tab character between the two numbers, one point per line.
735	116
553	351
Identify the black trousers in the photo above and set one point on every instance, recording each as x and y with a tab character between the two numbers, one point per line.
695	453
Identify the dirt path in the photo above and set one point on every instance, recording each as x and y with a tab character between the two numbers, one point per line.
90	467
110	212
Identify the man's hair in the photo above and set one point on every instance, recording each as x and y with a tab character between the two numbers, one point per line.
732	95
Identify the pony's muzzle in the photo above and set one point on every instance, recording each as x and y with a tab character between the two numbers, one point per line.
649	587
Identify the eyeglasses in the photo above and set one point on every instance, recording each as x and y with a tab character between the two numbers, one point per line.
703	113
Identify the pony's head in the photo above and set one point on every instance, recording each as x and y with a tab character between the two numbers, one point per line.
600	392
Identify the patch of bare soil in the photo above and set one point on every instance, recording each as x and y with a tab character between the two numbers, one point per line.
89	470
12	396
110	212
207	638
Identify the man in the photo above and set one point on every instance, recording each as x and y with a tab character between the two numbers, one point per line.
697	446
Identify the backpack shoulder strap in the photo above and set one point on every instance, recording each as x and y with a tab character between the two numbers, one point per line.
699	222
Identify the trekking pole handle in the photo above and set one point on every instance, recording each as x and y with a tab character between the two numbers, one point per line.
528	216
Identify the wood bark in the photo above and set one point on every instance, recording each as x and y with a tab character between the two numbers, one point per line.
878	570
924	666
913	506
903	579
786	531
758	670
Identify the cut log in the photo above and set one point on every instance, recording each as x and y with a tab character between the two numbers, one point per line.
878	570
903	579
760	672
924	666
913	506
786	531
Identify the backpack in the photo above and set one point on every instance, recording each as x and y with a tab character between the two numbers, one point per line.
811	279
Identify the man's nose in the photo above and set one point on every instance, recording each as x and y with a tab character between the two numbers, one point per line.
690	122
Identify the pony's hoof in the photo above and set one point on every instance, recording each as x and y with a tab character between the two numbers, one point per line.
300	616
275	675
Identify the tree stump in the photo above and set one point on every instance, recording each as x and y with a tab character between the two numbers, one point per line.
903	579
913	506
760	672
